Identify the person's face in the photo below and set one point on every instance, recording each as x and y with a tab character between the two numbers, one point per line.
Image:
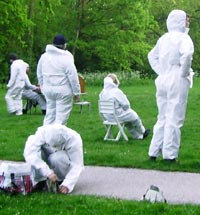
187	24
65	46
115	81
27	69
113	78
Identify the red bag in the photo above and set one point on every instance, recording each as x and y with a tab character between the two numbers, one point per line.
16	178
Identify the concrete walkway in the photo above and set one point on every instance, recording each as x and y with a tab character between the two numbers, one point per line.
131	184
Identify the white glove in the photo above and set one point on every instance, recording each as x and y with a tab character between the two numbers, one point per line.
153	195
190	77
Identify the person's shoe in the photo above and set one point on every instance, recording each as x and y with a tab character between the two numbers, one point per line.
13	113
44	112
146	133
51	187
152	158
24	111
40	186
18	113
170	160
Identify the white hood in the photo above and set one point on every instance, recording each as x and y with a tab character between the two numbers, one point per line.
108	83
176	21
53	135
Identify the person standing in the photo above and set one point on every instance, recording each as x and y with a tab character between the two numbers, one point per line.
56	154
171	59
58	80
123	110
15	85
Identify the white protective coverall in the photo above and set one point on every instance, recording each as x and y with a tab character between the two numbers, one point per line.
15	86
55	148
122	108
58	80
28	93
171	59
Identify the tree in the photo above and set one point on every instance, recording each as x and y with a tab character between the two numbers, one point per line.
102	35
109	35
160	10
13	24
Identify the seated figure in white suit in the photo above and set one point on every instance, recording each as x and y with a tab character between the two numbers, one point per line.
123	110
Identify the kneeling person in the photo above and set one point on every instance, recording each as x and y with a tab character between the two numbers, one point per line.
56	154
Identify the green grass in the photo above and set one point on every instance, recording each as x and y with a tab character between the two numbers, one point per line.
14	131
45	203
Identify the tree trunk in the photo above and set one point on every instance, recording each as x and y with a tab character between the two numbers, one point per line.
80	9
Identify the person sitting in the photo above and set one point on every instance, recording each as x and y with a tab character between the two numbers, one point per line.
56	154
33	93
122	107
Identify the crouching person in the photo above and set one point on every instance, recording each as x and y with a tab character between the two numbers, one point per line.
55	153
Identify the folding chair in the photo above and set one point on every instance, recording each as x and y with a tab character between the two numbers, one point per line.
83	92
107	107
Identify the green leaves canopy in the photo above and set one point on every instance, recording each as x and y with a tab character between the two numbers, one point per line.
103	35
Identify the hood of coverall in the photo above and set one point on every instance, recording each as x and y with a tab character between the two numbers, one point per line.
54	50
26	66
108	83
54	135
20	63
176	21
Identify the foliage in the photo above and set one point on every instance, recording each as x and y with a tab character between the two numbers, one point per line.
160	10
96	78
119	30
103	35
13	24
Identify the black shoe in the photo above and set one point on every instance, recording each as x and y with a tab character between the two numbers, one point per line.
40	186
152	158
24	111
146	133
170	160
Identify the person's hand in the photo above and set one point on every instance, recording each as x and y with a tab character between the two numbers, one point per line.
76	98
53	177
63	189
37	90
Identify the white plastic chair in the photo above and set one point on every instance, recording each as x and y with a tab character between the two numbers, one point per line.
107	107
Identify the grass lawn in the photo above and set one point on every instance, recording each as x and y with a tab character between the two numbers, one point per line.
14	131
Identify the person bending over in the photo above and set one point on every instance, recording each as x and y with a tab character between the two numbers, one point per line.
55	152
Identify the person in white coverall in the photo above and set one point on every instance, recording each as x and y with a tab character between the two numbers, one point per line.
171	60
15	85
33	93
58	80
55	152
123	110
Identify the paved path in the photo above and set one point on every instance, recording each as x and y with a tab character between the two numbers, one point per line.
131	184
